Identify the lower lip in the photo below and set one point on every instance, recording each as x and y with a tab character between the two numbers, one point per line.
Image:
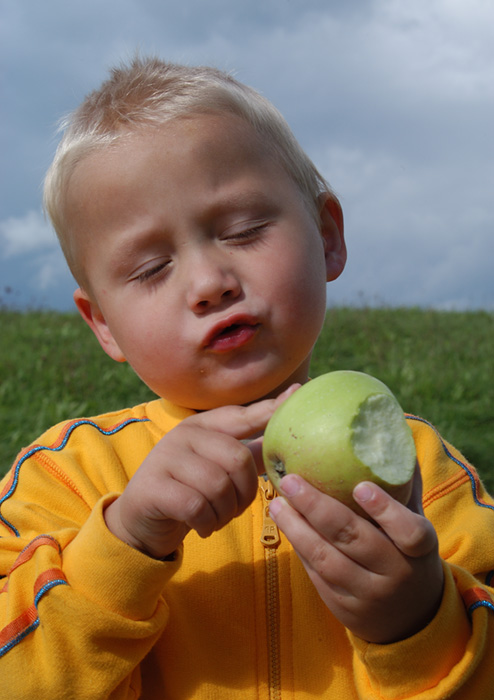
236	338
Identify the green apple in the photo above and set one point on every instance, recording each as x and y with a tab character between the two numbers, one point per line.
337	430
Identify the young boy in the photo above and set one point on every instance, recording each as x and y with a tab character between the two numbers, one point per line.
142	555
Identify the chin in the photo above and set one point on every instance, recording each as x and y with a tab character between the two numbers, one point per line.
239	387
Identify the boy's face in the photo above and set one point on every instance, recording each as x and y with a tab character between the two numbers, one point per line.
206	271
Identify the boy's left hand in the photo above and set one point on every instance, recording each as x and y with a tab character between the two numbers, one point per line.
384	583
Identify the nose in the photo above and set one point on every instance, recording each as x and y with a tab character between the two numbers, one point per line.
211	281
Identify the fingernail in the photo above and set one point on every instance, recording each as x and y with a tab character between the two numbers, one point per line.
289	485
291	389
362	492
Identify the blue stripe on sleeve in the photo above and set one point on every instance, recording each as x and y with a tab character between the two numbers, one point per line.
461	464
59	448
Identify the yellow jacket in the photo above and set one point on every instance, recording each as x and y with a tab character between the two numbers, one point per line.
84	616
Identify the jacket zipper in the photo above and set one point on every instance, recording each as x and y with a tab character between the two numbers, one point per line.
270	538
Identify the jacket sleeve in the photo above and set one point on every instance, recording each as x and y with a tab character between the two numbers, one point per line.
453	656
68	618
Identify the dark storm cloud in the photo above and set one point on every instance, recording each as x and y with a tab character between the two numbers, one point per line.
392	100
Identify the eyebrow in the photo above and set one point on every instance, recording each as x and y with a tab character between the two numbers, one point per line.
238	200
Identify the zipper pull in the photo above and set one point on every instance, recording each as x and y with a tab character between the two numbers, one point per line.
270	536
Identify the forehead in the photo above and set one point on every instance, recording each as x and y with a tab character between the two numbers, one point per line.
207	135
215	145
212	158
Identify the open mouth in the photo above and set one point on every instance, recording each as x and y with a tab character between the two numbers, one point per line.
231	330
232	336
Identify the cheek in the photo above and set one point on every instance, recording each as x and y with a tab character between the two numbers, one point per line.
143	338
301	283
158	362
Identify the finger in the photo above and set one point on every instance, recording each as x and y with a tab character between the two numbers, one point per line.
413	534
357	538
203	496
218	466
312	547
323	561
187	505
240	421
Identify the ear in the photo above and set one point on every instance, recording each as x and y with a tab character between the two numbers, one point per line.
91	313
331	218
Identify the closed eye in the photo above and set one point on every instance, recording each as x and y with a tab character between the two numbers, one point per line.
151	272
247	235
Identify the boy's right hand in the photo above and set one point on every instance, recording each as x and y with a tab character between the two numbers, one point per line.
198	477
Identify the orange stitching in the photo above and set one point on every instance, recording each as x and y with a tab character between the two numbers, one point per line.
17	626
43	460
445	487
28	551
46	577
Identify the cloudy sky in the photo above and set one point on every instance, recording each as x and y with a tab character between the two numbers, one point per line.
392	99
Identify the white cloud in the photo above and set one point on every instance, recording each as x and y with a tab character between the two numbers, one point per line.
26	234
49	269
443	48
417	234
31	260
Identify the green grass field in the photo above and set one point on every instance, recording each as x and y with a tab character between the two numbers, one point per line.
439	364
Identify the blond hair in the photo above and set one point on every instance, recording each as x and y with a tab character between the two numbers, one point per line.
151	92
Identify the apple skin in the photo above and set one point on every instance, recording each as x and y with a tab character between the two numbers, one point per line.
337	430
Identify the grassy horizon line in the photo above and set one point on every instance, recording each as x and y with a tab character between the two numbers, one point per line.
438	364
